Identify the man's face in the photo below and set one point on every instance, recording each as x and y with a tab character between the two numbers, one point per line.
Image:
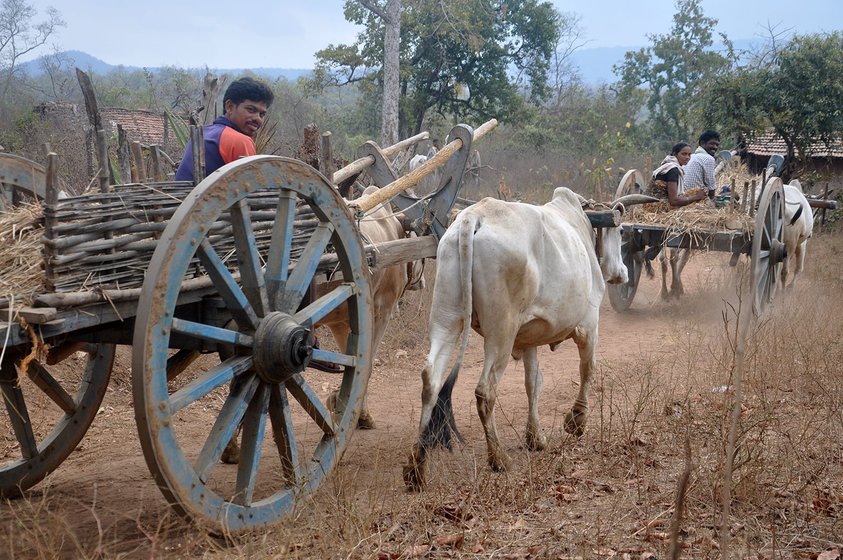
247	115
711	146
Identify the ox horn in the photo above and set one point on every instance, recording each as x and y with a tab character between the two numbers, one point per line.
632	199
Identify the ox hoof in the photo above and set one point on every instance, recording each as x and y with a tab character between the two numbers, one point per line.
536	441
499	462
414	475
365	421
231	453
575	423
331	403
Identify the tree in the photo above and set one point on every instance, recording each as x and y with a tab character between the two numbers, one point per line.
564	75
797	95
19	36
390	14
675	71
463	58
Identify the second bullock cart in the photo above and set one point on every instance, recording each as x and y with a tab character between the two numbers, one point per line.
763	243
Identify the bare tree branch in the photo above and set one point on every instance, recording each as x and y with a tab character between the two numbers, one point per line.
375	9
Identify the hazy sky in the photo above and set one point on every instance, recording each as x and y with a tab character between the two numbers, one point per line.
286	34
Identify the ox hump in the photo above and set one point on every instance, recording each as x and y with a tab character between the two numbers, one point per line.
564	195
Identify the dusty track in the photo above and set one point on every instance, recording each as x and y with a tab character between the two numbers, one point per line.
105	500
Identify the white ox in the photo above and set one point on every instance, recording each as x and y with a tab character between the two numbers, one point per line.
522	276
798	227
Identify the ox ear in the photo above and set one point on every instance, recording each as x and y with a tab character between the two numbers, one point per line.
619	207
631	199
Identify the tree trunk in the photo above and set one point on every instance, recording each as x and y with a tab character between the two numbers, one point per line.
391	64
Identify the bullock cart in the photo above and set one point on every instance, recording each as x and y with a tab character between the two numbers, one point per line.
217	287
763	243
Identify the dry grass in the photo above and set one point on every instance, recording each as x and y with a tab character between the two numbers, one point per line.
20	253
611	494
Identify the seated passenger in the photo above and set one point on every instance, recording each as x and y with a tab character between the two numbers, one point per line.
668	179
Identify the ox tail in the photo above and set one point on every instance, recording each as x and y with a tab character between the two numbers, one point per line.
796	215
443	425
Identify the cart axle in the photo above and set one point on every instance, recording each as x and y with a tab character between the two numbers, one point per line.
282	348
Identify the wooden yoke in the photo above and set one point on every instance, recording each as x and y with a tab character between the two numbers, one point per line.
366	203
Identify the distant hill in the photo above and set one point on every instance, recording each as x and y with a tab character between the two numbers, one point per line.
595	64
84	61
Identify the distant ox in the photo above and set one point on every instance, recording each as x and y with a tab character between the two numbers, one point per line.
431	182
798	227
522	276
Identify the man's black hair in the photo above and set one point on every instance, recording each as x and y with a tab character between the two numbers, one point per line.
708	135
248	88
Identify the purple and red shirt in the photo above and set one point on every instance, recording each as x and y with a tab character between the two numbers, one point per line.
224	143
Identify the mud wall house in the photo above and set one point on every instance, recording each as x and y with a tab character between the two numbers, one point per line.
825	162
66	128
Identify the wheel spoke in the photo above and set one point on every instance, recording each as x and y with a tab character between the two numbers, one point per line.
764	282
282	431
211	334
48	384
227	287
254	426
248	258
226	425
310	402
305	268
18	414
215	377
325	304
280	248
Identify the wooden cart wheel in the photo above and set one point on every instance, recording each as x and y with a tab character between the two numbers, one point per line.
621	295
631	183
49	413
768	249
262	383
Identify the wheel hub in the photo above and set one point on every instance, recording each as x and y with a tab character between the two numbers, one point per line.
778	251
282	348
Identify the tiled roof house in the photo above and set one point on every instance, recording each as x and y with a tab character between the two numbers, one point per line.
826	162
770	143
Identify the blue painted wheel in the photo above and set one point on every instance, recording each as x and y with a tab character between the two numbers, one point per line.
259	376
48	412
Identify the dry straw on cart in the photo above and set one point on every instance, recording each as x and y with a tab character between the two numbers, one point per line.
20	253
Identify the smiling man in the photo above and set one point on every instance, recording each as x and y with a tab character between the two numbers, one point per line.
699	171
245	102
